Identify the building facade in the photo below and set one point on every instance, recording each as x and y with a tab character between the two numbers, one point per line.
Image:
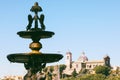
12	78
83	63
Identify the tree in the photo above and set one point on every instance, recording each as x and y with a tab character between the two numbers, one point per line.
74	73
102	70
61	68
92	77
83	71
51	69
99	77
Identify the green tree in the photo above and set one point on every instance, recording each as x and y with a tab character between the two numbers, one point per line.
51	69
102	70
74	73
87	77
83	71
99	77
61	68
113	77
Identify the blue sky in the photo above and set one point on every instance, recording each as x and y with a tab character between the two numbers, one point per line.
92	26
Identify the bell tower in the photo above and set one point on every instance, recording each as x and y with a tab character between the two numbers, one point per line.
68	60
107	60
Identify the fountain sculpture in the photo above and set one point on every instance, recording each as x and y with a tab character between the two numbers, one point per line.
35	60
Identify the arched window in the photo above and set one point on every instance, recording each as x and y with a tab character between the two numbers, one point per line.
90	66
67	57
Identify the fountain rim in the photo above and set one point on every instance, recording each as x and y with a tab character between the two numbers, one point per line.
37	33
27	57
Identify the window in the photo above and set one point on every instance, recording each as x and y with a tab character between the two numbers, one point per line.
90	66
76	65
67	57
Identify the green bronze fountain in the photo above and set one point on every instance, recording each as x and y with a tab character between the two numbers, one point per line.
35	60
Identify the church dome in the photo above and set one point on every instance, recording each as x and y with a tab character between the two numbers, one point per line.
83	57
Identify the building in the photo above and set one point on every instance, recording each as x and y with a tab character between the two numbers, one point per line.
12	78
83	63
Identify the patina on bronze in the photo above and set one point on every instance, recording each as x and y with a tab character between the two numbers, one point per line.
35	60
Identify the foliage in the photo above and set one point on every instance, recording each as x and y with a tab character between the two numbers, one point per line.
61	68
49	76
51	69
113	77
100	76
94	77
83	71
74	73
45	69
102	73
88	77
102	70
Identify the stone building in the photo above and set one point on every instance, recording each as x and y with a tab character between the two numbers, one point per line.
12	78
83	63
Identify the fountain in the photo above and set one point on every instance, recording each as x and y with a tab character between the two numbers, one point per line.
35	60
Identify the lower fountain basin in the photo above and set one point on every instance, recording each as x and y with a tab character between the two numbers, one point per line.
41	58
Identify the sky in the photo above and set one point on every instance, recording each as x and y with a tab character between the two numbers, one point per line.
92	26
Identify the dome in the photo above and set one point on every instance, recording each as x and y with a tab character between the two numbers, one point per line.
83	57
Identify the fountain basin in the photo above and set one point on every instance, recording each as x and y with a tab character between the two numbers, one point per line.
41	58
35	33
